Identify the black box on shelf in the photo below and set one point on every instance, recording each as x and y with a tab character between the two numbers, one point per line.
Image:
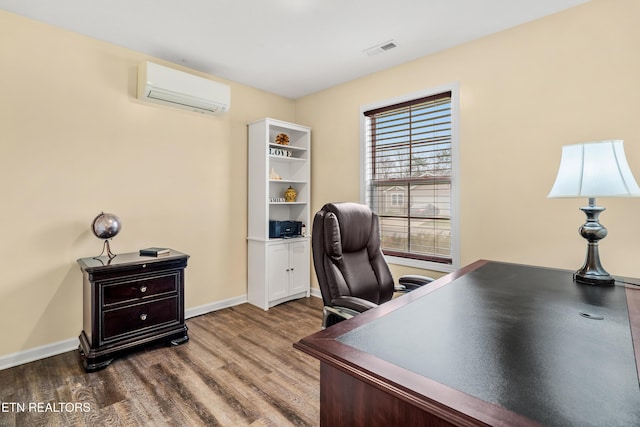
283	229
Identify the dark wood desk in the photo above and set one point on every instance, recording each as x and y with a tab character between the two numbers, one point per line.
491	344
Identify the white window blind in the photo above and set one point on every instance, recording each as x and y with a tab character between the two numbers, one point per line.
408	181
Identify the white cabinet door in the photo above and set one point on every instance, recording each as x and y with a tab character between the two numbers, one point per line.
299	267
278	267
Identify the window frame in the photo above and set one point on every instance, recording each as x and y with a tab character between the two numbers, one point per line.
397	198
455	171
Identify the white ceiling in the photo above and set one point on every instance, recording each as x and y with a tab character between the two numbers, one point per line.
288	47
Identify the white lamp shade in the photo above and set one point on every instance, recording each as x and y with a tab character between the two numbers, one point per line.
594	169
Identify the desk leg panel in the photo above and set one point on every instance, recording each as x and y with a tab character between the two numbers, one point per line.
348	401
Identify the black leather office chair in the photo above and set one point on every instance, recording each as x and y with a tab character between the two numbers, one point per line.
351	270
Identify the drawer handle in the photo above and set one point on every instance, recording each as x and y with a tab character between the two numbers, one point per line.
143	316
143	289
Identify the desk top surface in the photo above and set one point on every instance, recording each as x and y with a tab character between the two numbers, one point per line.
524	338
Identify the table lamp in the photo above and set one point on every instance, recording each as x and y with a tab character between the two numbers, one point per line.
594	169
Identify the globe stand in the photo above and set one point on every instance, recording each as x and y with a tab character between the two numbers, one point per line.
106	247
105	226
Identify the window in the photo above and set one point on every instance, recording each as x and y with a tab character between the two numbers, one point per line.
397	199
409	179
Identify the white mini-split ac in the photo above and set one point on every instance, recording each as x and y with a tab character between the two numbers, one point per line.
164	85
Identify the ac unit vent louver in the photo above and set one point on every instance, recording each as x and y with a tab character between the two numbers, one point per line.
164	85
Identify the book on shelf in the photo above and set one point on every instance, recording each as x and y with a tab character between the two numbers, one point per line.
153	251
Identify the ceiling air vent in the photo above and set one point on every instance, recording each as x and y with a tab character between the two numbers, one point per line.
379	48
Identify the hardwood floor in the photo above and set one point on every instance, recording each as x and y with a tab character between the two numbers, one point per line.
239	368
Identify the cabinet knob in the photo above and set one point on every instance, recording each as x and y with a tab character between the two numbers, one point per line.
144	265
143	316
143	289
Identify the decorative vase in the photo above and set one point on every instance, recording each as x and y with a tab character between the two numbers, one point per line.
290	194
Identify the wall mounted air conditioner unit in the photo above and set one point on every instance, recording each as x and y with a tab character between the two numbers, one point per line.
164	85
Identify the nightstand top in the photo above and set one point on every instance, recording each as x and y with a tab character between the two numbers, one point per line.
91	264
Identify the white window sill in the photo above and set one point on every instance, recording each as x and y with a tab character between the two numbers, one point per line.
416	263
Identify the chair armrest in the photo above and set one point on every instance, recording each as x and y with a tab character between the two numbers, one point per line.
354	303
333	315
343	308
411	282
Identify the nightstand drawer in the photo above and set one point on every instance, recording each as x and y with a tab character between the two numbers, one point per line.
138	288
139	318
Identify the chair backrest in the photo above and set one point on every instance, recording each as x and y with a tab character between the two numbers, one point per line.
347	255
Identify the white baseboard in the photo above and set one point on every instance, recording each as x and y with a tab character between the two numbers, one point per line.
315	292
37	353
214	306
48	350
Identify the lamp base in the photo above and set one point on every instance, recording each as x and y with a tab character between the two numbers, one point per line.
592	272
593	278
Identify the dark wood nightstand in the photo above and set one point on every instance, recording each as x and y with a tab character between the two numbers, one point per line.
130	301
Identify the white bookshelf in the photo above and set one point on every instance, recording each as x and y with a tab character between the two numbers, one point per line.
278	269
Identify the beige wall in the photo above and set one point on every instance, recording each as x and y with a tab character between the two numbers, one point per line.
74	141
525	92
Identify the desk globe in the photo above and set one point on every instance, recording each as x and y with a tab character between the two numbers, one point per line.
106	226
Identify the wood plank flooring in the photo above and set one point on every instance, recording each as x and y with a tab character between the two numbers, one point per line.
239	368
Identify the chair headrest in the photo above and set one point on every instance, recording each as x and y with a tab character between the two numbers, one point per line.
353	229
